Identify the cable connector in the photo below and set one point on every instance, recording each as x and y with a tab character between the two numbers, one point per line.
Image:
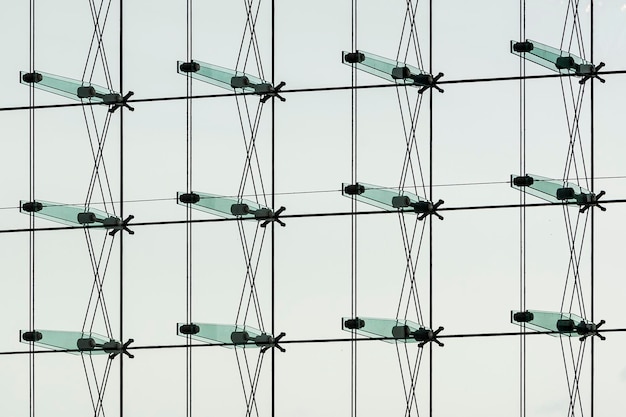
590	200
274	218
426	208
272	92
117	225
427	81
267	342
424	336
589	329
123	103
115	348
591	72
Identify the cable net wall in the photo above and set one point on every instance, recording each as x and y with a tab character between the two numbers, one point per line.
258	208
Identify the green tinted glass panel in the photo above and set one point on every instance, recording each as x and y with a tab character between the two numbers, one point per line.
228	207
57	339
549	320
554	190
74	89
385	198
554	59
70	215
226	78
224	333
375	327
387	69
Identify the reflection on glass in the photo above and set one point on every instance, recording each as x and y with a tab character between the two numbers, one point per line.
227	207
554	191
399	330
566	324
80	342
67	87
231	334
387	69
385	198
223	77
551	58
68	214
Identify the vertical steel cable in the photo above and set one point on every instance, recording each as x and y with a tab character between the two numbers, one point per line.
273	225
121	234
31	196
592	244
430	219
522	215
188	225
353	220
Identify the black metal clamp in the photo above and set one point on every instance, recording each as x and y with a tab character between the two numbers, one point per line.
590	200
427	81
424	336
589	329
426	208
267	342
274	218
274	92
117	225
120	349
593	74
123	103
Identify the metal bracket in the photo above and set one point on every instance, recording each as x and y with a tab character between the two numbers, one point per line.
274	218
123	103
274	92
594	74
593	202
426	208
272	342
429	81
123	349
424	336
589	329
120	225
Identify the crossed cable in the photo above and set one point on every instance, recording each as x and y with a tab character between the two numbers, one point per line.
250	112
412	235
577	224
99	254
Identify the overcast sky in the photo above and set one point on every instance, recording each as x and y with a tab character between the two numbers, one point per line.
475	252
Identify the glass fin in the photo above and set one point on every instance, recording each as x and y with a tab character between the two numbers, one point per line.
74	89
228	207
387	69
564	323
226	78
385	198
233	335
554	59
68	214
58	339
375	327
555	191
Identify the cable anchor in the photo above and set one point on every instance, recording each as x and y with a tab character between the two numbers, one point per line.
119	348
123	103
267	342
273	217
426	208
427	81
589	329
590	200
592	72
424	336
117	225
272	92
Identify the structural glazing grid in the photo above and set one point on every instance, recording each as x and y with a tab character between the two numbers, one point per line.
222	158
